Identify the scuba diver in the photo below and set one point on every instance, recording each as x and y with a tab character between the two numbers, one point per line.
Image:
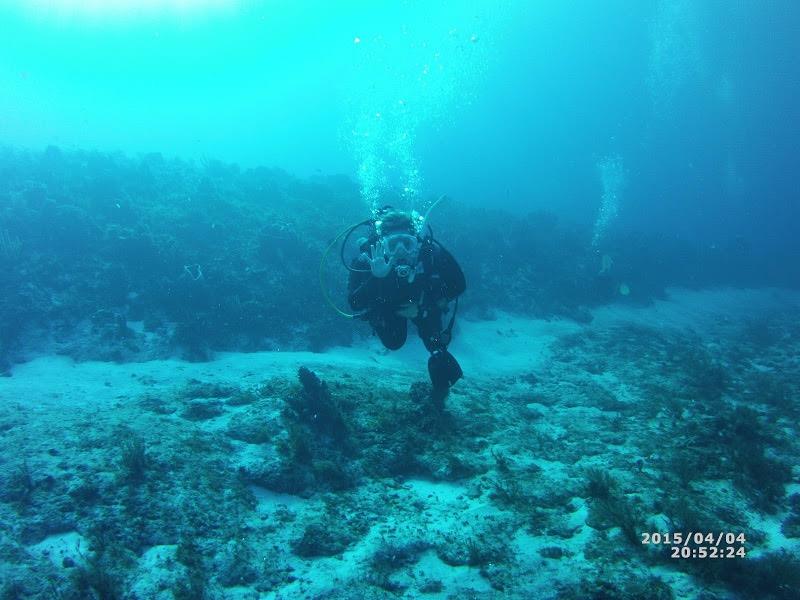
401	274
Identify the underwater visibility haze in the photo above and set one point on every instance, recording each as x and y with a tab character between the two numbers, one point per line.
360	300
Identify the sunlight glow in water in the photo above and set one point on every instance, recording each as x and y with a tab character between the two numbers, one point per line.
122	9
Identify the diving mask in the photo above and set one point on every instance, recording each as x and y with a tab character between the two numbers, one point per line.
401	246
402	251
398	251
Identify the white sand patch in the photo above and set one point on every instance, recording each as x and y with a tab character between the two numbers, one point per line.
60	382
613	384
775	540
577	518
318	576
446	505
697	309
57	548
269	501
157	573
508	344
438	491
570	565
431	567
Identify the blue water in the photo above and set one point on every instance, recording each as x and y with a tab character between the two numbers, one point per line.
184	414
698	99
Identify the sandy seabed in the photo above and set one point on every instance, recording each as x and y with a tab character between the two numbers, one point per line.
563	445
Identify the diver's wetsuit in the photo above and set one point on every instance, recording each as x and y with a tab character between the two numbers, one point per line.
441	279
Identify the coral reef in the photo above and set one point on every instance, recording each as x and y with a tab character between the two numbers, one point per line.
116	258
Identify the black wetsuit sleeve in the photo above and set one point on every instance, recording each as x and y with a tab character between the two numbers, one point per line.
452	280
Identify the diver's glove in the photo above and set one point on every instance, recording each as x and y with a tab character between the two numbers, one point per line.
443	369
378	264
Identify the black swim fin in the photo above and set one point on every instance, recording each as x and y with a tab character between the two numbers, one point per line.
444	370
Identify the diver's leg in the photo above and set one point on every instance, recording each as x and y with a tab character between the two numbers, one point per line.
391	329
429	326
443	368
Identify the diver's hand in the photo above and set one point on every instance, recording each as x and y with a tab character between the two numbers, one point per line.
378	264
409	311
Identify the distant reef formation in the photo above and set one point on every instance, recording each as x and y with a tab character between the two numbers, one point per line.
112	257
